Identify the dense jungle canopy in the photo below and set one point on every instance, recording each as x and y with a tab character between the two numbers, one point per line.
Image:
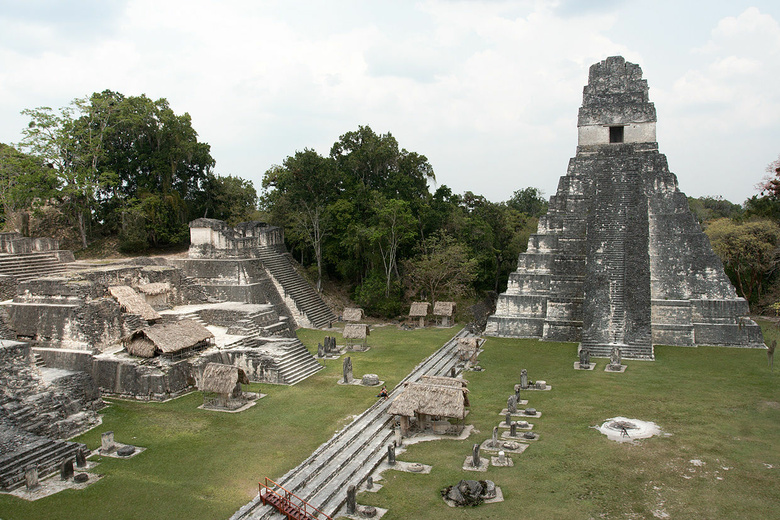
368	216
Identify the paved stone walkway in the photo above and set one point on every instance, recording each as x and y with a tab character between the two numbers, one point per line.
352	454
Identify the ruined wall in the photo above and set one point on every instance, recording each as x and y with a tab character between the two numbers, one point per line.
211	238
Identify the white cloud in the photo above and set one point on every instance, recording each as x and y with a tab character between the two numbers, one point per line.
489	91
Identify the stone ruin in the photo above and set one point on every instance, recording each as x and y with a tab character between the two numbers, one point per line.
67	333
619	260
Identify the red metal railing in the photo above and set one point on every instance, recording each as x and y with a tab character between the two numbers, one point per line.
290	505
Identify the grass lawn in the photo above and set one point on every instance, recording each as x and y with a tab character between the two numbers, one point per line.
720	406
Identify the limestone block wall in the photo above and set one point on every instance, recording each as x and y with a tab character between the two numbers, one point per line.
211	238
127	378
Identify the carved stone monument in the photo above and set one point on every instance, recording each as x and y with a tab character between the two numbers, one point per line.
494	440
66	469
620	231
351	499
475	460
391	454
347	369
584	357
511	404
508	418
107	442
31	478
81	459
524	379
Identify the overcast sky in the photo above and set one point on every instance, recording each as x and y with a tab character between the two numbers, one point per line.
488	91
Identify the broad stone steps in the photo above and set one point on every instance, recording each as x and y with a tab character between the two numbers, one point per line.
46	455
352	454
27	266
297	363
305	297
192	316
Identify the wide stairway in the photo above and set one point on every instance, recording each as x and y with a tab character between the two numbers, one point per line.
352	454
21	450
302	293
26	266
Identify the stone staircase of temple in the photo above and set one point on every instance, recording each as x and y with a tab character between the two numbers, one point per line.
296	363
302	293
46	454
26	266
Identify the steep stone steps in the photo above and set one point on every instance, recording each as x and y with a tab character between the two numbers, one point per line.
302	293
297	363
26	266
46	454
353	453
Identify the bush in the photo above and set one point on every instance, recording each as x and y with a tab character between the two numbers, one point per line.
370	295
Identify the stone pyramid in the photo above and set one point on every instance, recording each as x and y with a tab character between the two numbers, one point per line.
619	260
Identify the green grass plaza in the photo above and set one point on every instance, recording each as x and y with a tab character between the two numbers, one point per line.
718	455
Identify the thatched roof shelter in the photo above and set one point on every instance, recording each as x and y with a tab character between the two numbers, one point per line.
419	309
444	309
356	331
353	314
154	289
132	302
222	379
169	339
437	396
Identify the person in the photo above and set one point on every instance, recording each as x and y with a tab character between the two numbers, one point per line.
383	393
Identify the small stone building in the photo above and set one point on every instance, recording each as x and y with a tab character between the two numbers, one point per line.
356	334
444	313
429	403
173	340
221	386
419	310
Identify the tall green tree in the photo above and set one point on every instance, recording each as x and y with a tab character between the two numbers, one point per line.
394	226
299	192
749	251
443	268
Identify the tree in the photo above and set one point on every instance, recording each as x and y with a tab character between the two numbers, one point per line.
24	184
394	226
711	208
113	155
228	198
301	190
443	268
530	201
749	252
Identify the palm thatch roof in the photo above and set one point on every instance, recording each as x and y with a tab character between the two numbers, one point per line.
141	347
355	331
444	308
419	309
131	302
440	396
353	314
222	379
170	337
153	289
454	382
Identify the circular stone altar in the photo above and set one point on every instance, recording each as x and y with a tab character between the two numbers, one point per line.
621	429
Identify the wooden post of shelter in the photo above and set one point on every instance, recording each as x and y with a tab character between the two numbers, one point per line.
419	310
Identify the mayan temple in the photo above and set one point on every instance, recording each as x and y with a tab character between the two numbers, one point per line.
619	260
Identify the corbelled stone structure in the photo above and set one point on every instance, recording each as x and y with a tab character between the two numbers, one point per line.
619	260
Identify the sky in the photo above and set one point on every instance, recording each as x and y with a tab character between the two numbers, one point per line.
488	91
